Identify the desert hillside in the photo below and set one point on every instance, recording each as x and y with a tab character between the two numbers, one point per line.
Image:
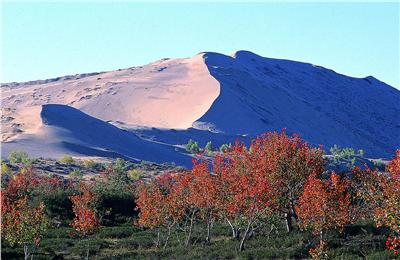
149	112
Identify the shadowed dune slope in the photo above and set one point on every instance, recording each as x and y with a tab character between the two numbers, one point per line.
74	131
261	94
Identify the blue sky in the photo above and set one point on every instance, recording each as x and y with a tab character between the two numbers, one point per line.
43	40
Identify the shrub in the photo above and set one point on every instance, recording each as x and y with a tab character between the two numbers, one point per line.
379	164
67	160
225	148
90	164
209	148
116	207
19	157
4	168
76	174
58	205
192	146
135	174
119	164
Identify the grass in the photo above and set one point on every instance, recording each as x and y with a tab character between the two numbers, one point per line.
128	242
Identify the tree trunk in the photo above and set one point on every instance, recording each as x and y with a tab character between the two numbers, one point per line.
288	222
168	235
33	251
235	231
87	253
241	246
26	251
189	236
158	238
209	226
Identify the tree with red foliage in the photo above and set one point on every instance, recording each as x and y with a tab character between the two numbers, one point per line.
324	205
86	220
365	193
286	162
394	166
204	195
389	213
159	206
244	191
23	220
182	192
23	224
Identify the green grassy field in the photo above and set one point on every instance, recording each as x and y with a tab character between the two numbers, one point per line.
130	242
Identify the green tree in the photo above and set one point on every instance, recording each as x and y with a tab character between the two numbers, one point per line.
209	148
19	157
192	146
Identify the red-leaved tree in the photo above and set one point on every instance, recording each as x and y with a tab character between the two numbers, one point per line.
245	195
23	220
286	162
159	206
389	213
324	205
86	220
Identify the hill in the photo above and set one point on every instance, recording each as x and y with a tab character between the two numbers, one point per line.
149	112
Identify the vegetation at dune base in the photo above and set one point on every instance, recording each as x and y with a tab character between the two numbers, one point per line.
272	199
192	147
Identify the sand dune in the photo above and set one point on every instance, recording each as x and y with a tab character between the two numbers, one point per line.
67	130
165	94
145	112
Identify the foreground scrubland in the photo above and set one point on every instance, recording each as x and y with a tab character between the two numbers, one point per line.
273	199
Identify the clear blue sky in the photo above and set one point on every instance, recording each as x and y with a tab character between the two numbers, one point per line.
43	40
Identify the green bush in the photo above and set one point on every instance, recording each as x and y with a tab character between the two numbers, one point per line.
67	160
5	169
225	148
76	174
209	148
19	157
135	174
192	146
58	205
90	164
116	206
379	164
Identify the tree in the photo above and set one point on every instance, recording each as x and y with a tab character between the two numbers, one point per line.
209	148
324	205
389	213
181	192
85	221
158	206
204	194
22	218
192	147
365	193
225	148
19	157
23	224
244	191
286	162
